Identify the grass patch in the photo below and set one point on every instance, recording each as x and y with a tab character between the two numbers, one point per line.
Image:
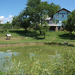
20	36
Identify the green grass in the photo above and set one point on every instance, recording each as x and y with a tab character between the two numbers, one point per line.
19	36
40	65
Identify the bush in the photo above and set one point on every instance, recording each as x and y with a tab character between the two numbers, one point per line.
67	64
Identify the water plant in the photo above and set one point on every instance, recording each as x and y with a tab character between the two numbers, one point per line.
63	65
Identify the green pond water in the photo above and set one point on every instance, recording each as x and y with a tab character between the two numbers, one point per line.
24	53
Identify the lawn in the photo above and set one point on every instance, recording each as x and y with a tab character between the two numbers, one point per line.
20	36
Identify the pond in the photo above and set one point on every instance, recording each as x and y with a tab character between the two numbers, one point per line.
5	56
25	53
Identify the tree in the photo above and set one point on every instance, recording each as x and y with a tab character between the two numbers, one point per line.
42	8
70	24
52	9
46	27
64	22
21	20
31	8
25	21
39	10
16	22
7	26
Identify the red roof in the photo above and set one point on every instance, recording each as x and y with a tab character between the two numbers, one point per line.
63	9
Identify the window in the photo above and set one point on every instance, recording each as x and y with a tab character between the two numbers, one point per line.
51	22
62	16
47	21
57	16
57	21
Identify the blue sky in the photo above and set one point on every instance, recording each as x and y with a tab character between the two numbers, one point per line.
9	8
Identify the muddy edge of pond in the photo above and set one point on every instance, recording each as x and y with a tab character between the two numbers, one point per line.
21	44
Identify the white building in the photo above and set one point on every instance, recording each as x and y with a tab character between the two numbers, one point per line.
1	21
56	22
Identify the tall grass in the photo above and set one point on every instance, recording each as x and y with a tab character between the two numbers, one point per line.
63	65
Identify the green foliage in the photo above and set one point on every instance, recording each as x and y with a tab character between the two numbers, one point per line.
70	26
6	26
70	23
16	22
45	29
32	11
67	65
59	65
1	24
64	22
52	9
35	12
25	23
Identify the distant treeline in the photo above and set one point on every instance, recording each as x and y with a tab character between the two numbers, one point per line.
8	26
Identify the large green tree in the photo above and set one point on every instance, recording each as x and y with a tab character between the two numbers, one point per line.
21	20
42	9
33	13
52	9
16	22
25	23
38	10
70	23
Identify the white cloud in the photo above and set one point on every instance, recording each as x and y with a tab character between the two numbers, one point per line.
10	16
1	17
6	19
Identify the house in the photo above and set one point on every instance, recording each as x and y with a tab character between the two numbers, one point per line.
58	17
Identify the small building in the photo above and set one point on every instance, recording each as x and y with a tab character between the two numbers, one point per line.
55	23
1	21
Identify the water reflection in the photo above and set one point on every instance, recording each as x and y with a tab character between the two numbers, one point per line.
4	56
56	55
26	53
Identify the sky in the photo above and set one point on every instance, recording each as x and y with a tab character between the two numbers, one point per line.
11	8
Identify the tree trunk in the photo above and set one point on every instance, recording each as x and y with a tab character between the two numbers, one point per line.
40	32
25	29
44	35
70	32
